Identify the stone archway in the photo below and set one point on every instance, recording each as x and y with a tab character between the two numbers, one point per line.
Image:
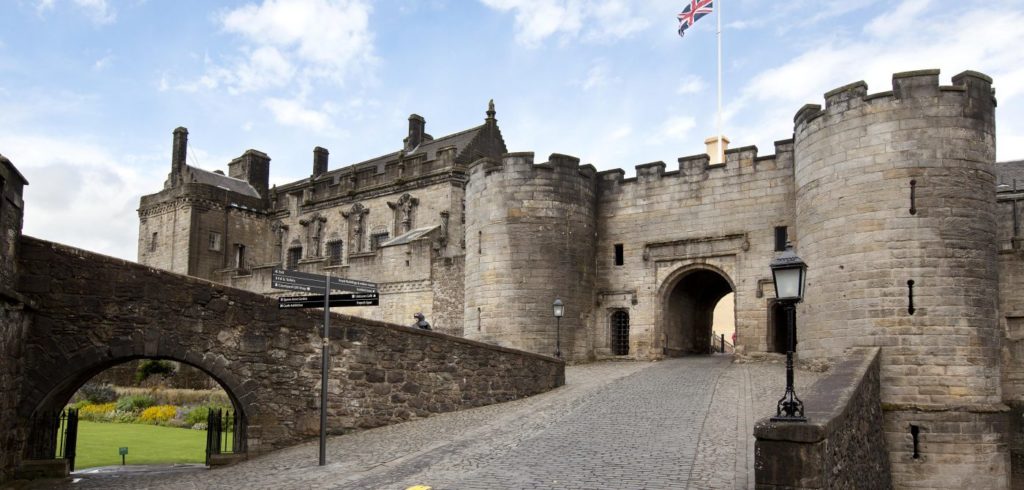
688	299
54	393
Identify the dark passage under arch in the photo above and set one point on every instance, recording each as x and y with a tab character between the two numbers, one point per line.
689	311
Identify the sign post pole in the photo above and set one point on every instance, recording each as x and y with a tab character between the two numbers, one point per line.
324	368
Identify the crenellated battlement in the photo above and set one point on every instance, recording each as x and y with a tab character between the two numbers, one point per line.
971	90
741	163
521	166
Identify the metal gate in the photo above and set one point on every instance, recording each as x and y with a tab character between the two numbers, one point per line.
225	433
66	425
620	333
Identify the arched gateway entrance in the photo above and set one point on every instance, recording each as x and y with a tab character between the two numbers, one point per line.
689	297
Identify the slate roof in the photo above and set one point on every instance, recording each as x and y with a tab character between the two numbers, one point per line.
460	140
410	236
1007	172
232	184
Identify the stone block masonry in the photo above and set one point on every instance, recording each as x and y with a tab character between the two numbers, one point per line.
94	312
902	248
14	317
842	444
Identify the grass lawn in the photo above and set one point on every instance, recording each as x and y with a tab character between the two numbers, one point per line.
147	444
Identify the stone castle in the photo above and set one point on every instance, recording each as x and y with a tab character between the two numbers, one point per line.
910	229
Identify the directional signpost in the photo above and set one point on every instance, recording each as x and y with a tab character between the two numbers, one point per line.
335	300
356	293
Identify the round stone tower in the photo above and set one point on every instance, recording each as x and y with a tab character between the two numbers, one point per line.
895	202
530	238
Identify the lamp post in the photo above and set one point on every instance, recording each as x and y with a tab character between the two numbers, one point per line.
789	274
559	310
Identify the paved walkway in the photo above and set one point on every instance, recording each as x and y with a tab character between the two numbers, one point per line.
679	423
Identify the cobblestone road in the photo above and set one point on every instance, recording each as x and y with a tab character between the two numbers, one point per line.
679	423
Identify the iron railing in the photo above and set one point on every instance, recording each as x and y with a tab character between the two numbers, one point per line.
225	433
66	434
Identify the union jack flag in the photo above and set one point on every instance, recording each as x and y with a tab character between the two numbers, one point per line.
693	12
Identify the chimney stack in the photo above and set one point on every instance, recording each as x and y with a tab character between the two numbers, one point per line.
716	154
319	161
178	152
417	128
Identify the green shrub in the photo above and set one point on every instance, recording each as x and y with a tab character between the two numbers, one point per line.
134	403
149	367
98	393
197	415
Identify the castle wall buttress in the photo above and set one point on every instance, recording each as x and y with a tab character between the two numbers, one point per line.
895	218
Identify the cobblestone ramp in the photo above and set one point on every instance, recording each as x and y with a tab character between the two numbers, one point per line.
641	431
613	425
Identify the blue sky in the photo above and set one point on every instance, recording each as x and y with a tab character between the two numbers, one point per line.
90	90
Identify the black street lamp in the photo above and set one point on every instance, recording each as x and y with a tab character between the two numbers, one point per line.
559	311
789	274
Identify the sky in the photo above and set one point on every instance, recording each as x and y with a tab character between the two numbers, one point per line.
91	90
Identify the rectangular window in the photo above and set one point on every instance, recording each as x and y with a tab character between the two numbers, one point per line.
780	238
334	249
152	242
619	255
378	238
240	256
215	241
294	256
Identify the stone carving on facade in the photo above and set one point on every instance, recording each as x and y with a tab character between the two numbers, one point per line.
356	217
314	233
403	212
280	231
444	228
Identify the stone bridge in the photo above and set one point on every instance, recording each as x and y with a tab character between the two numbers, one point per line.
87	312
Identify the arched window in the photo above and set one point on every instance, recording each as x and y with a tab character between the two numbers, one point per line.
620	333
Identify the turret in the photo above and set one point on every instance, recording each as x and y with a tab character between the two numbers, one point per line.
894	199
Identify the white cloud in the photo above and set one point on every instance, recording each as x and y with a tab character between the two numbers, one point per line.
316	39
620	133
599	20
676	128
691	84
294	113
80	193
97	10
598	76
103	62
974	39
896	19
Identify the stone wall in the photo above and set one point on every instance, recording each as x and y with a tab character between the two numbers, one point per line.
842	444
95	312
915	201
530	232
14	319
719	216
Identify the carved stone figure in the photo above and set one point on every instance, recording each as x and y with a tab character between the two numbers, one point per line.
356	226
403	211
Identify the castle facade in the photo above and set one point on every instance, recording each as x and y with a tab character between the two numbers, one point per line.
910	229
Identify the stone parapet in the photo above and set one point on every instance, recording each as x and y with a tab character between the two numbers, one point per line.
841	445
268	360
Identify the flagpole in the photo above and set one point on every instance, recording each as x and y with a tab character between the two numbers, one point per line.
718	16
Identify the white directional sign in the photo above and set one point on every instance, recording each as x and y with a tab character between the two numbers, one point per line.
315	283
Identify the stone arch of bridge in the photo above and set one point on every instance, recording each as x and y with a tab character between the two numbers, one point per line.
54	386
687	300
